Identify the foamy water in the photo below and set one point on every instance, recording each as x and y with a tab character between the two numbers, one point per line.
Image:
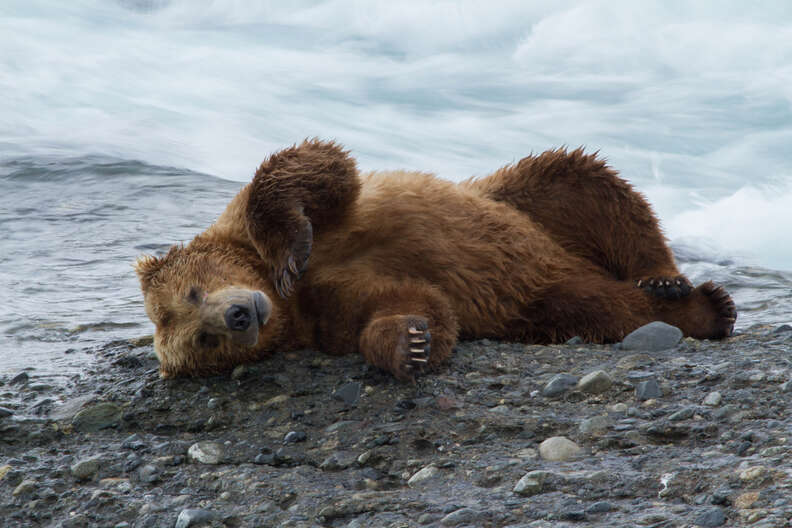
690	101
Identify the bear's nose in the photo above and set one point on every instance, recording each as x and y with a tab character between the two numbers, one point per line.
237	318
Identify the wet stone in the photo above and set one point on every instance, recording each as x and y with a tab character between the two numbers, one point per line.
134	442
423	475
682	414
713	399
5	412
349	393
86	468
711	518
194	517
647	389
558	448
293	437
97	417
460	517
594	425
149	473
653	337
206	452
529	484
599	507
559	384
25	487
595	382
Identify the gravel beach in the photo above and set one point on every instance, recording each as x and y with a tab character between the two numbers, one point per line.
505	435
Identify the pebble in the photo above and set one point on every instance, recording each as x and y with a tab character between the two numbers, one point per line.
529	484
558	448
594	425
292	437
559	384
97	417
25	487
653	337
149	473
746	500
786	386
595	382
192	517
423	475
206	452
599	507
618	408
239	372
683	414
133	442
460	516
214	403
4	411
713	399
711	517
349	393
753	473
86	468
647	390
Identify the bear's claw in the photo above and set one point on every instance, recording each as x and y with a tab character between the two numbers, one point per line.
725	307
416	356
293	266
671	288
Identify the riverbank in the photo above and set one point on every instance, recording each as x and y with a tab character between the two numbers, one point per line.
698	434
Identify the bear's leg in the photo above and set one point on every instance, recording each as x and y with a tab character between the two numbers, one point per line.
589	210
295	193
400	325
602	309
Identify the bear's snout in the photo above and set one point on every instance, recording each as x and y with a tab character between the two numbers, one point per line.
237	318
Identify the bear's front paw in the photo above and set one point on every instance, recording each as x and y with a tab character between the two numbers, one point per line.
291	264
670	288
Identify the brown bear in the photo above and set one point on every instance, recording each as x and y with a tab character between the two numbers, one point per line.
399	265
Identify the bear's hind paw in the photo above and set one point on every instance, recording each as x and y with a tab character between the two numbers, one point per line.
670	288
413	353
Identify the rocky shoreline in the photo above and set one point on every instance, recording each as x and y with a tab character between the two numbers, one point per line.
504	435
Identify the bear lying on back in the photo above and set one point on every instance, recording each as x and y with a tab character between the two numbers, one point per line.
399	265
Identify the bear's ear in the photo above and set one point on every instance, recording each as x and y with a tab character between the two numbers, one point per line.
147	267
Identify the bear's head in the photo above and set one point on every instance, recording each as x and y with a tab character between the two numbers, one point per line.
210	308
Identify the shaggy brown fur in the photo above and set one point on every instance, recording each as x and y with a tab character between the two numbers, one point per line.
398	265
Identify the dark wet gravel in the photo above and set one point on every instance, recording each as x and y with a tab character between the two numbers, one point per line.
696	435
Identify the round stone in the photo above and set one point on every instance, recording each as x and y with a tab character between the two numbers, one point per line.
595	382
653	337
559	384
558	448
713	399
193	517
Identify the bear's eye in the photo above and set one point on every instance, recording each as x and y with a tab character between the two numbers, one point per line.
194	295
207	340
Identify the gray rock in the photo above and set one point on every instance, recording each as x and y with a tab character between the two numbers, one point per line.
349	393
292	437
647	389
653	337
558	448
530	484
683	414
423	475
192	517
149	473
713	399
559	384
786	386
460	516
97	417
595	382
5	412
599	507
214	403
594	425
206	452
711	517
25	487
337	461
86	468
133	442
